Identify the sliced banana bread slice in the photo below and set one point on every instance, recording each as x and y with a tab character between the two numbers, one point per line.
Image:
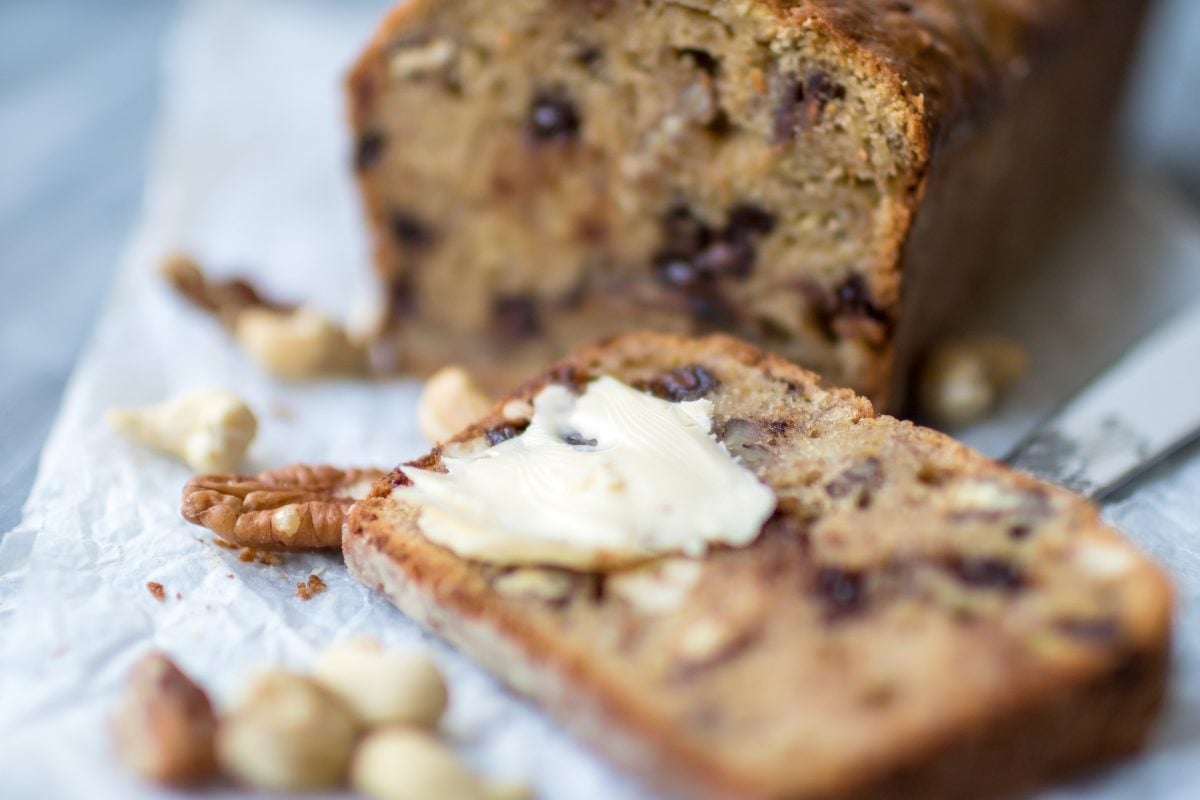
914	620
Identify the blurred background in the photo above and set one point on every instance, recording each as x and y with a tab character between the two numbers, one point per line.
79	88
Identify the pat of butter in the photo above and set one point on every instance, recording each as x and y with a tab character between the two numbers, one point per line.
597	480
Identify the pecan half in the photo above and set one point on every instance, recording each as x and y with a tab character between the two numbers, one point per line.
300	507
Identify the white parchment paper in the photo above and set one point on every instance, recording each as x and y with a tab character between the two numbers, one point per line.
250	172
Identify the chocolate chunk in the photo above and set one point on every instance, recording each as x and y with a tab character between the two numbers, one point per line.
694	257
552	117
368	150
853	298
409	230
589	57
720	125
1019	532
843	592
709	308
684	233
987	573
685	383
746	221
502	434
818	91
577	440
701	58
516	317
800	104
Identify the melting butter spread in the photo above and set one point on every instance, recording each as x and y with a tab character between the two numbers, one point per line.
600	479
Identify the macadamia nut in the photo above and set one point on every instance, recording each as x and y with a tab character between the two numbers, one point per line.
406	764
449	402
383	687
210	430
288	734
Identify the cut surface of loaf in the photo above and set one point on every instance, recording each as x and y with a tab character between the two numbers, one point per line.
914	621
825	177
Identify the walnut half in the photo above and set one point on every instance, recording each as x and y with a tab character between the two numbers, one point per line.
300	507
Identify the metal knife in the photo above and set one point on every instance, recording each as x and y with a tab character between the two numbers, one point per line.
1136	413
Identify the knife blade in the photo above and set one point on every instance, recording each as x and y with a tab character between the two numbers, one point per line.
1137	412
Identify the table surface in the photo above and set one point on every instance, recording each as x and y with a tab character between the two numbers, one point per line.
79	83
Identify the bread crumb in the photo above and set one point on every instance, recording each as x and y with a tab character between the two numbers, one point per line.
314	586
156	589
248	554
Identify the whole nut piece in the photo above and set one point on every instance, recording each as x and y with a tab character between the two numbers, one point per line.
288	734
383	687
449	402
294	508
405	764
298	343
164	725
962	381
210	430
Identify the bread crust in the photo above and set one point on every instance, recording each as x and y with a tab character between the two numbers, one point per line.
1045	723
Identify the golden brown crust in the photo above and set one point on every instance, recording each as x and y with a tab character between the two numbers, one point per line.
299	507
1019	638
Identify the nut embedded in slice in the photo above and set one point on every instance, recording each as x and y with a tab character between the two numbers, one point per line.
293	508
164	724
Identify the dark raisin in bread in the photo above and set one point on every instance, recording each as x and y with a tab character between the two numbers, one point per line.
915	621
826	178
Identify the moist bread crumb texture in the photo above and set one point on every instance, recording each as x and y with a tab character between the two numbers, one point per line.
540	173
914	621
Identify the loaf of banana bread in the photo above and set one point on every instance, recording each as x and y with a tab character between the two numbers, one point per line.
912	621
823	177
